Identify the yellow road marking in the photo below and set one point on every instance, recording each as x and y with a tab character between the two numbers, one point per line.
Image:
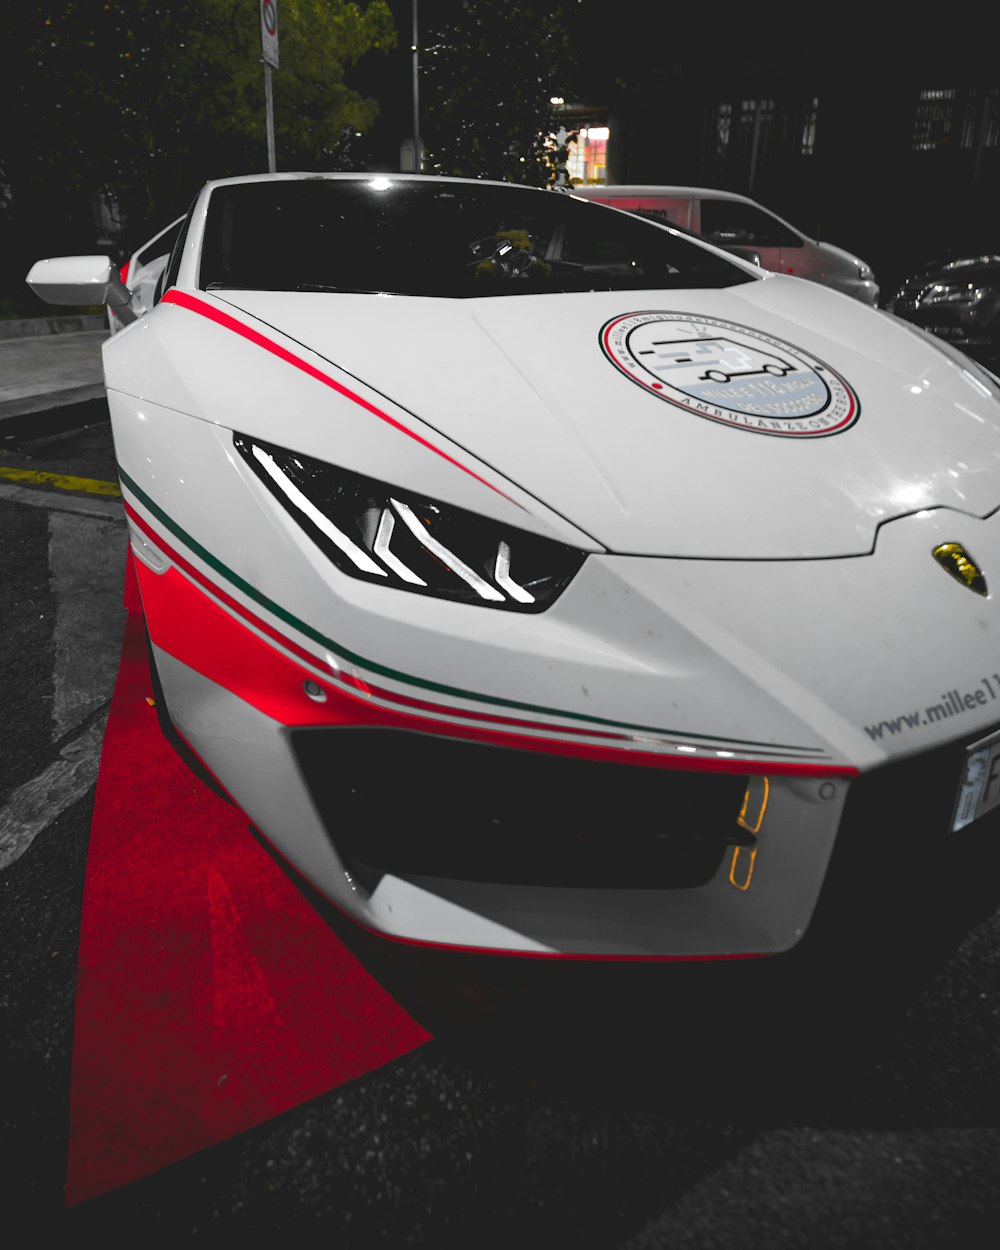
62	481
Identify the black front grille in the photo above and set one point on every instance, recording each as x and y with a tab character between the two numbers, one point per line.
423	805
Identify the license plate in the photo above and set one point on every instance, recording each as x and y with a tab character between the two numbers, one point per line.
979	791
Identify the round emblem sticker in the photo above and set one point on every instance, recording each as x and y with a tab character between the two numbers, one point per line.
730	373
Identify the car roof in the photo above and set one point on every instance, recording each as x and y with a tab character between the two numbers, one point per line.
610	192
651	190
359	176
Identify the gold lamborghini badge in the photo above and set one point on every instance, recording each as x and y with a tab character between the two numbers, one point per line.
954	559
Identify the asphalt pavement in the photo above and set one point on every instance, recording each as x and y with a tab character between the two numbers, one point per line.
846	1096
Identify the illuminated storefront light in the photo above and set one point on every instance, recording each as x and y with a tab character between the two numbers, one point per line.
587	163
586	153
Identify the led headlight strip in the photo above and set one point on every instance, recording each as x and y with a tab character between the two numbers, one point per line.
369	530
423	536
360	559
383	538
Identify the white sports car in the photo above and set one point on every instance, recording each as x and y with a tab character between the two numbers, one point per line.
540	579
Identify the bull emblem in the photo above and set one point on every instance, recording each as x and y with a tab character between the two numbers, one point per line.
954	559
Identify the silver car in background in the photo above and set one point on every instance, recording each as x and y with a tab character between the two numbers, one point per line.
729	220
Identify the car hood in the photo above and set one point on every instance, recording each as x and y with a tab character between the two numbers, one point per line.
537	387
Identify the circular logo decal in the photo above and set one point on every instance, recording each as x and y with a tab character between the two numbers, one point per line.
730	373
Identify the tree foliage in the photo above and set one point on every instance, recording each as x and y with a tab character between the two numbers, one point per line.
145	99
489	69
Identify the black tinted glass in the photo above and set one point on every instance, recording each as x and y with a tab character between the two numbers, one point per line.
422	237
174	263
162	245
732	221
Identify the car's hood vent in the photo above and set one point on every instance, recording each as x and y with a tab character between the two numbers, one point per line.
677	434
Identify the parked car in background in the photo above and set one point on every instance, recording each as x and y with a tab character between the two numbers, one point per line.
734	249
958	300
734	221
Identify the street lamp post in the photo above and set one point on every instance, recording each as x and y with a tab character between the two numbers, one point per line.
269	48
417	152
411	159
269	110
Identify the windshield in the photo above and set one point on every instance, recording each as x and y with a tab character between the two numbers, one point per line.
425	237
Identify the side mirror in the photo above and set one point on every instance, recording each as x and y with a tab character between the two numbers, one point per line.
81	280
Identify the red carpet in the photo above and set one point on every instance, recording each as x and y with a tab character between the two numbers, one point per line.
210	996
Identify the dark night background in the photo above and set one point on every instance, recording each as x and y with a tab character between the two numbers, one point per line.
903	167
896	175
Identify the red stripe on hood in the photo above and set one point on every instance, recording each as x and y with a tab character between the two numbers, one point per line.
193	304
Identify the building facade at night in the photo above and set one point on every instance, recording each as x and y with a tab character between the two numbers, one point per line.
888	144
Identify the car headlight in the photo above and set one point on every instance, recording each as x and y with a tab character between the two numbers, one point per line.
952	293
384	534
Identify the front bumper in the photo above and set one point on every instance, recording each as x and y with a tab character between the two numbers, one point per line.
599	870
414	841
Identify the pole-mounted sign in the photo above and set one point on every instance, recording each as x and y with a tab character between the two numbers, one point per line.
269	31
269	47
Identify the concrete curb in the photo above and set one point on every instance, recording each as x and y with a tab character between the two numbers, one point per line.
50	399
29	327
